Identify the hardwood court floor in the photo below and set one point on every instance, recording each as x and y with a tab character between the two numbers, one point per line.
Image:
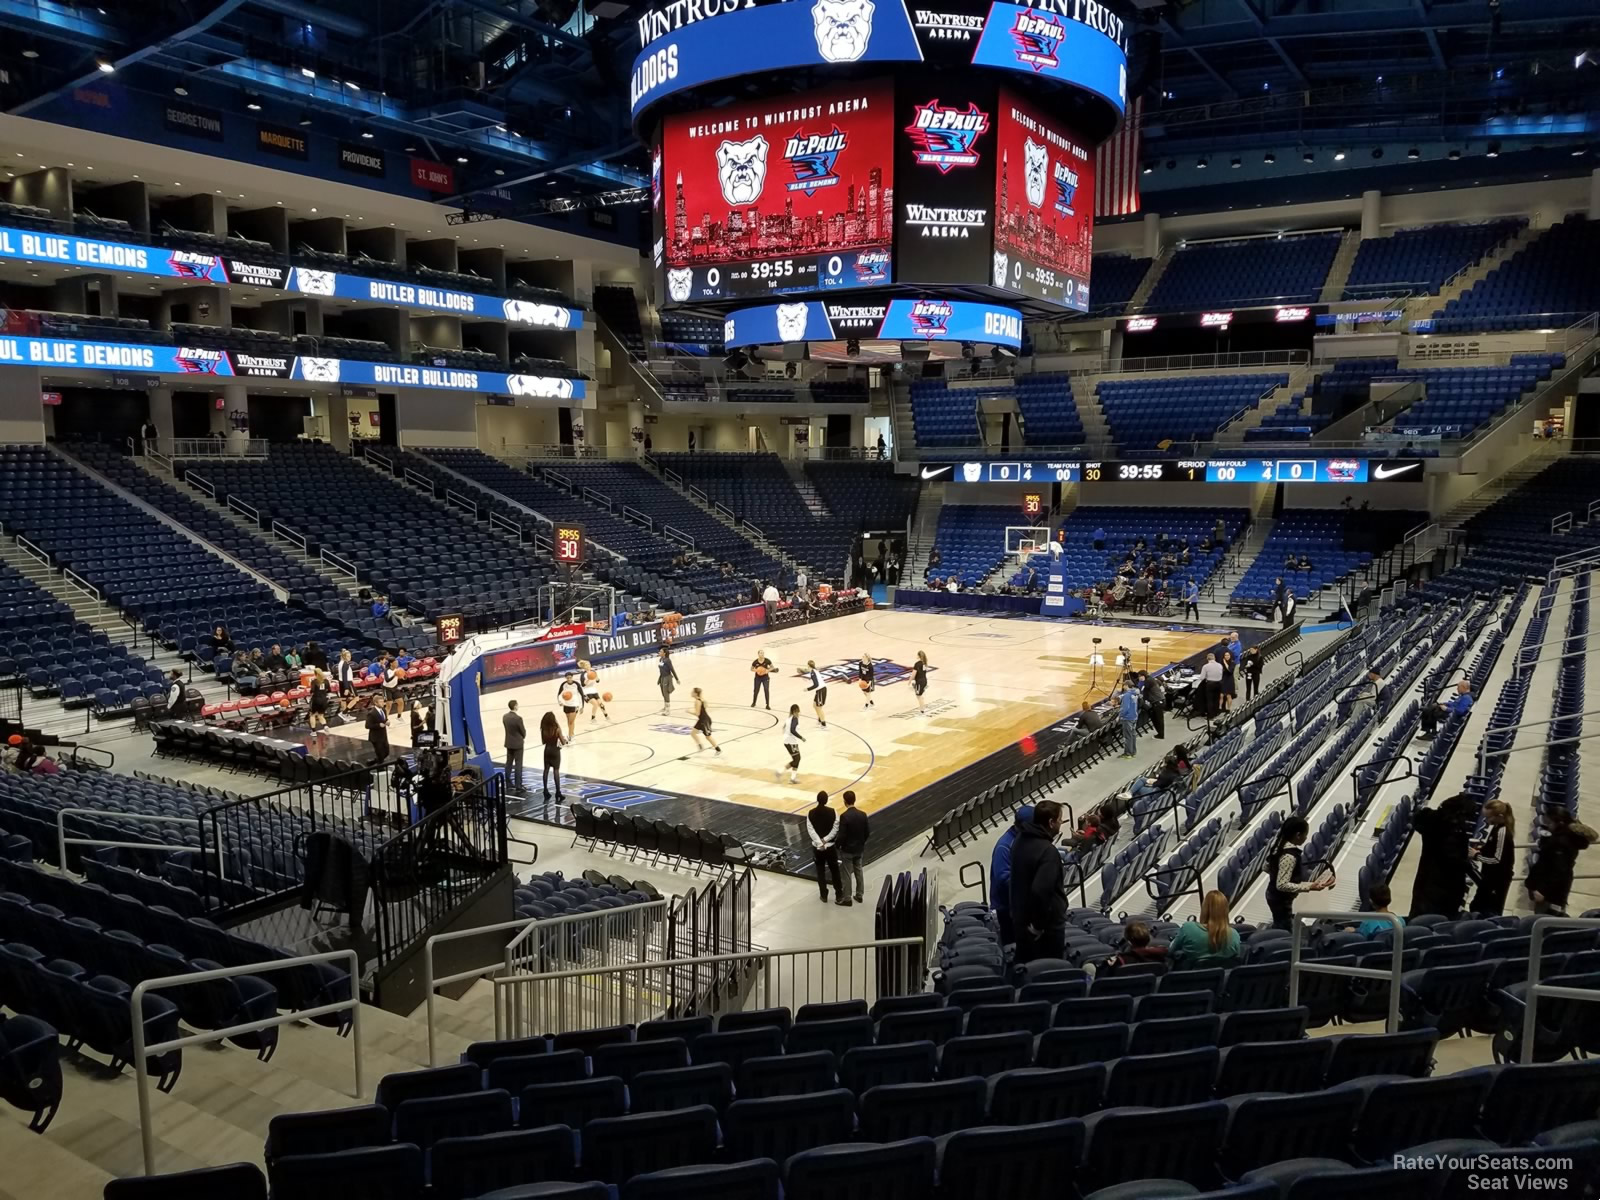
991	683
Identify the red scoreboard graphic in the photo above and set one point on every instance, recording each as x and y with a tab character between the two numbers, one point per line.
1044	205
792	193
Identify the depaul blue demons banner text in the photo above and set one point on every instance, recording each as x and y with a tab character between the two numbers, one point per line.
930	318
70	354
33	246
688	43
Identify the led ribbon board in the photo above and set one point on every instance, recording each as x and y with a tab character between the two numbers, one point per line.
33	246
689	43
932	319
190	361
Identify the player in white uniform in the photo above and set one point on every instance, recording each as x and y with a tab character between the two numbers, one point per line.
591	692
570	694
792	737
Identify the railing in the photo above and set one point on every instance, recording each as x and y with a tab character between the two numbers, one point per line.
575	931
678	535
1202	362
724	511
213	447
499	521
200	484
1485	754
291	535
699	494
559	479
63	841
372	456
81	584
239	506
637	517
418	480
591	998
424	872
1394	974
342	565
1530	1012
461	500
141	1051
1561	523
597	497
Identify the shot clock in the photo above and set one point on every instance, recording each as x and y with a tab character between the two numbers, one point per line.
450	628
569	545
1032	504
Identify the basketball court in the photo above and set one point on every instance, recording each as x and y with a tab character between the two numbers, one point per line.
997	687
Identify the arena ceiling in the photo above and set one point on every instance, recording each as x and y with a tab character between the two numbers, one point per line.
532	94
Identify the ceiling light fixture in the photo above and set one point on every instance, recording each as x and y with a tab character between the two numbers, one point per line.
180	90
1149	167
1338	156
1236	163
461	158
1200	163
253	104
1413	154
368	134
308	72
107	67
1455	156
305	118
1269	158
30	52
1494	150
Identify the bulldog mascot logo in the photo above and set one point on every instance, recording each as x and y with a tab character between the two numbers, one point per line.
1002	267
843	28
1035	170
742	170
792	321
679	283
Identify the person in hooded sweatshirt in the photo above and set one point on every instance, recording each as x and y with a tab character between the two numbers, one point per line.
1038	903
1000	874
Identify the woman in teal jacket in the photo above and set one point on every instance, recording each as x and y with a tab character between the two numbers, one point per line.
1212	941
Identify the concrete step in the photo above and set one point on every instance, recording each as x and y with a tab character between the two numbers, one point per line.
1339	271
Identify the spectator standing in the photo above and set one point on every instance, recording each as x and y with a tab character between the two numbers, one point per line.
1210	685
516	739
822	823
175	694
1000	874
550	735
1099	538
1128	711
378	733
1556	859
1286	877
667	678
1279	593
1038	904
147	436
1191	599
769	597
854	830
883	448
1230	685
1212	941
1155	703
315	656
1441	882
347	681
1457	705
1253	665
1496	856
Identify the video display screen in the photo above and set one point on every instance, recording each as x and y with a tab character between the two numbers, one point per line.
790	194
945	152
1044	206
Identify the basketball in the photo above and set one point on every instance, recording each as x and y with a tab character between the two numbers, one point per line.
761	670
606	696
567	695
862	684
592	676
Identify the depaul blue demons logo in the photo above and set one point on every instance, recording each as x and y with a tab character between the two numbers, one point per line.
1066	188
944	137
812	157
1038	39
194	361
931	318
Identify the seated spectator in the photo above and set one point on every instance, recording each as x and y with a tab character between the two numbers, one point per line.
380	607
1305	563
1456	705
1099	538
1095	827
935	559
274	660
1209	942
1289	563
45	765
1089	718
373	669
1380	896
1137	948
292	658
406	660
954	585
220	641
1175	768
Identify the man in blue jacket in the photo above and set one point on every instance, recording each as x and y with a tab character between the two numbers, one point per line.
1129	712
1000	874
1458	704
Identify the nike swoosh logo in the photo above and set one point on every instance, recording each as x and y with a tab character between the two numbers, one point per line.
1391	472
934	472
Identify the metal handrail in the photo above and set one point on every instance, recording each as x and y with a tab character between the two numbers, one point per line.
1484	755
1537	989
63	841
142	1052
1393	974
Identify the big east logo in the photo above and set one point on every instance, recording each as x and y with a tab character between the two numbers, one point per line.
944	137
812	157
1066	188
930	318
1038	39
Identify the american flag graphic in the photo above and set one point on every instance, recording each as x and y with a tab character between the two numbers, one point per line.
1116	179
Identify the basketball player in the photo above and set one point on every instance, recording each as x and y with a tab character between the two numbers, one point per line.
702	721
919	678
867	677
819	693
791	742
570	697
591	692
762	670
667	680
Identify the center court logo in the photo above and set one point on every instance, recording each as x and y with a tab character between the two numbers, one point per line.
1038	39
742	170
843	28
812	157
944	137
884	672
